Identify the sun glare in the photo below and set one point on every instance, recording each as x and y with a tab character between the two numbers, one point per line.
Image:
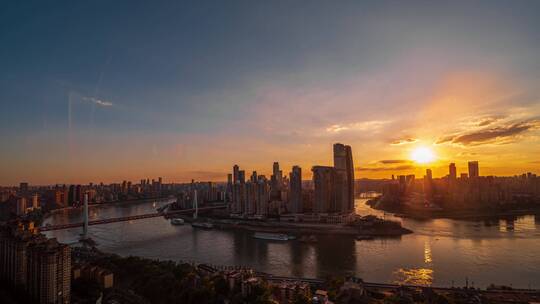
423	155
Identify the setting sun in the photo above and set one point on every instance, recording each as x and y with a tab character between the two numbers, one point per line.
423	155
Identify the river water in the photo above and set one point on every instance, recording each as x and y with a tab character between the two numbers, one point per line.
440	252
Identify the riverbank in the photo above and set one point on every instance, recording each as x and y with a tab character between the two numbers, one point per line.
305	228
473	215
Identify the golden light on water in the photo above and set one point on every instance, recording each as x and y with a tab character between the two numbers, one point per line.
414	276
423	155
427	253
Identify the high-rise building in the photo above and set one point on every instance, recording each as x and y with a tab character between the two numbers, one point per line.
49	272
473	169
35	201
41	266
276	181
239	195
324	194
452	172
428	184
235	173
250	207
242	176
429	174
228	191
344	177
254	177
20	208
263	192
235	190
295	188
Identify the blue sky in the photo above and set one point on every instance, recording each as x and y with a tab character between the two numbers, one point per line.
124	89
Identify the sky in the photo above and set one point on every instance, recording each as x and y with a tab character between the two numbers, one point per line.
105	91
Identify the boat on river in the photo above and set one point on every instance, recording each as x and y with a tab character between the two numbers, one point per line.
273	236
177	221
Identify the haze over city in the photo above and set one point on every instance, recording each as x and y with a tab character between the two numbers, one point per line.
103	92
270	152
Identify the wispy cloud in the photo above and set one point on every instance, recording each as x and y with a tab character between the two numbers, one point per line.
403	141
370	125
394	161
392	168
488	121
98	102
500	134
389	165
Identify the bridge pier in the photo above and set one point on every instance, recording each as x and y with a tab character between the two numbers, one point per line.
84	235
195	204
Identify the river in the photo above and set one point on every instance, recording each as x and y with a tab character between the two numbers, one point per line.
440	252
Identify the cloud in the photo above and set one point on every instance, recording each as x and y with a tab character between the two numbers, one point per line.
336	128
370	125
487	121
389	165
380	169
98	102
403	141
499	134
394	161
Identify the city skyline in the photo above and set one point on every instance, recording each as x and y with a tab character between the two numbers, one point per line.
184	90
271	152
446	170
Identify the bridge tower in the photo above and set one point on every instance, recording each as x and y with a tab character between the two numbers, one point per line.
85	217
195	204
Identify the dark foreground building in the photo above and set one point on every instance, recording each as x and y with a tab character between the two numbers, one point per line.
39	266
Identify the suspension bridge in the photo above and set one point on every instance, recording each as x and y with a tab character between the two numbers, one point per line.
127	218
86	222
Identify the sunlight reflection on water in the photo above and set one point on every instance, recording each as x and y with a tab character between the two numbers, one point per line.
411	276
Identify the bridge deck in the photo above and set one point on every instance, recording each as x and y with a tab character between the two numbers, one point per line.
124	218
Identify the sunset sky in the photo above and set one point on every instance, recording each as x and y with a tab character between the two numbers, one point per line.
95	91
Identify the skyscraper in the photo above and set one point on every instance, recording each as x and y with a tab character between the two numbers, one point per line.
235	173
452	172
344	177
254	177
296	189
276	178
429	174
428	184
250	202
239	192
242	176
350	176
473	169
228	191
263	192
324	194
21	206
